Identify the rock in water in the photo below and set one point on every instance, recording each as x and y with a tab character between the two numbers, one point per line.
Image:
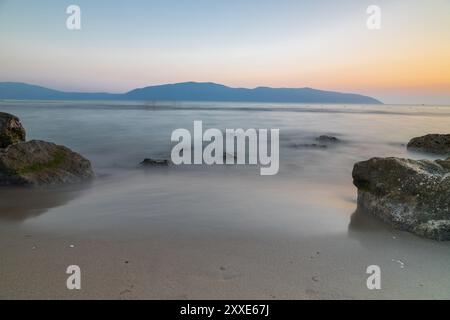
327	139
38	163
155	162
410	195
307	145
11	130
432	143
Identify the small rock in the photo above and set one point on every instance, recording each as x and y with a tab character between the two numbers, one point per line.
327	139
432	143
155	162
308	145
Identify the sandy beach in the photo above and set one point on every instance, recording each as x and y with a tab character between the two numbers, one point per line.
221	232
215	249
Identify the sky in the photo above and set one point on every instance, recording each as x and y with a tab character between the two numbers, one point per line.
323	44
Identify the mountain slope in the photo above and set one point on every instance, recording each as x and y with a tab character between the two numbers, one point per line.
189	91
18	90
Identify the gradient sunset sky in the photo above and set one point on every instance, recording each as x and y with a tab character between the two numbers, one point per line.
240	43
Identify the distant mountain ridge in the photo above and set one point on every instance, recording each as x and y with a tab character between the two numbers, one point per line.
189	91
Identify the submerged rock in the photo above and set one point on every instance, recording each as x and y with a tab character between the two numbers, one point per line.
327	139
432	143
410	195
155	162
323	142
11	130
307	145
37	163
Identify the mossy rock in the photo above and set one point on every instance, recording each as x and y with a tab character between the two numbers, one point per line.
410	195
38	163
431	143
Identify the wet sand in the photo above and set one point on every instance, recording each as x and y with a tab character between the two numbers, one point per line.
223	248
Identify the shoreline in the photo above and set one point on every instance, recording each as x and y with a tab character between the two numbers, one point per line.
195	255
215	232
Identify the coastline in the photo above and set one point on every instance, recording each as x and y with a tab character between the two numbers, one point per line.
217	232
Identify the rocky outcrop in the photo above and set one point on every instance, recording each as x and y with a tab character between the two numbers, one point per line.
37	163
410	195
432	143
11	130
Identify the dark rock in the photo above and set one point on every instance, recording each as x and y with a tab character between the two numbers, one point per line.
410	195
327	139
11	130
432	143
308	145
38	163
323	142
155	162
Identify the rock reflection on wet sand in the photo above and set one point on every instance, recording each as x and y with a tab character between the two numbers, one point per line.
20	204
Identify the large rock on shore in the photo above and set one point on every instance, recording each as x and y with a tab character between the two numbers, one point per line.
37	163
432	143
410	195
11	130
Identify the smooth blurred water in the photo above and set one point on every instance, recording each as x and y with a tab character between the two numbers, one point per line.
122	134
116	137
